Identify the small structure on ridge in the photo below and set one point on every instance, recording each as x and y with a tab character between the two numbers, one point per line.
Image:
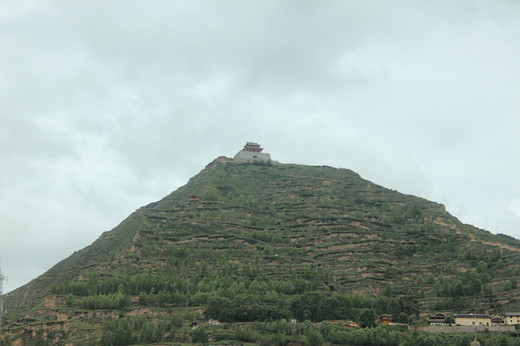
194	198
252	152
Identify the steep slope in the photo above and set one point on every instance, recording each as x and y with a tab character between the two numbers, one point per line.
250	242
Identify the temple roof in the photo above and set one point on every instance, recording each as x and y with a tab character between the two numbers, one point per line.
252	146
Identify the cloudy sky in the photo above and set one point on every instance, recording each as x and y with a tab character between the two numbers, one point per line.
106	106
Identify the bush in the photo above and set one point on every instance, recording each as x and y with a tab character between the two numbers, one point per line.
118	332
245	333
199	336
313	337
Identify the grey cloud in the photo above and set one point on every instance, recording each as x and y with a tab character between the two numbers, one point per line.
109	106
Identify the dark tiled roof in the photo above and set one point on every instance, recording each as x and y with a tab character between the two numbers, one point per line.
472	316
438	315
252	144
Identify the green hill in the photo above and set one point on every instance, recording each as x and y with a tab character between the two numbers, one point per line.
257	245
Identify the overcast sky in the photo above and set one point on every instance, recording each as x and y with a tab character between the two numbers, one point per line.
106	106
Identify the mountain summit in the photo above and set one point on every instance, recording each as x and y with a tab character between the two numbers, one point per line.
249	240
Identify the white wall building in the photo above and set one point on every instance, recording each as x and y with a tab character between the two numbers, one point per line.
252	152
512	317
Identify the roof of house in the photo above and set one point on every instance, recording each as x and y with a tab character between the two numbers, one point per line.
472	316
385	317
438	315
507	314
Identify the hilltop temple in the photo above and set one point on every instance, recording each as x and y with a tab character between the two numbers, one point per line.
252	152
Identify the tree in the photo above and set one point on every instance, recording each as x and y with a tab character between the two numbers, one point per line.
367	318
312	305
472	287
449	320
482	266
211	193
313	337
118	332
387	291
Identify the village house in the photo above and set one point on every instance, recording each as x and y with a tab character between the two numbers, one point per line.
384	319
512	317
497	320
439	319
473	320
252	152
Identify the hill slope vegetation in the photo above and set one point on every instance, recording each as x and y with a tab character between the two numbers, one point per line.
257	245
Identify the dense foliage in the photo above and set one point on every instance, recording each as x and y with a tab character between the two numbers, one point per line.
140	330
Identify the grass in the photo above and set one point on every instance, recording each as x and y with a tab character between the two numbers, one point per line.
82	325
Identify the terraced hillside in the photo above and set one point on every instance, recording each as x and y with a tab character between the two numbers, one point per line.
261	242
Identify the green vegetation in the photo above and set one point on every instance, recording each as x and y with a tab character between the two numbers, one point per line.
139	330
264	245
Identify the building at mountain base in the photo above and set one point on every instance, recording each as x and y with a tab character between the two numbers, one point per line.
439	319
472	320
512	318
252	152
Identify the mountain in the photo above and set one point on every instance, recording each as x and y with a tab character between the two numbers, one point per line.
248	242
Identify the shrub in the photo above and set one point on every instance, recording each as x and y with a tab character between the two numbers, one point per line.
199	336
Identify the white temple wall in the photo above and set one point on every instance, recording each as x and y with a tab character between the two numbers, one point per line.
247	156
